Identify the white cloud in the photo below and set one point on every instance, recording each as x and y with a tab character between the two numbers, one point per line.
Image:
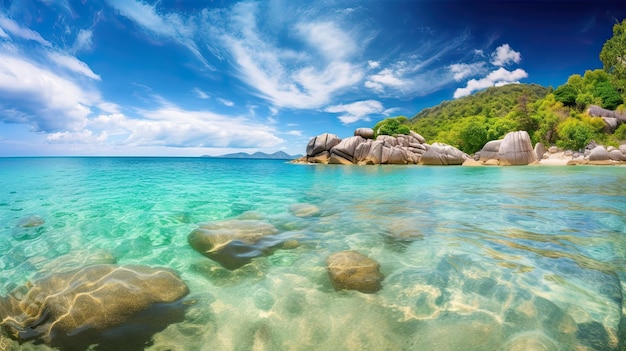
371	64
465	70
226	102
479	53
170	26
285	78
3	34
201	94
46	101
83	41
327	38
85	136
416	74
73	64
498	77
294	133
505	55
15	29
175	127
356	111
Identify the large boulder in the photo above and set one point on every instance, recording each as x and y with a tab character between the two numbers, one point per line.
234	243
540	150
599	153
321	143
516	149
443	154
350	270
490	150
397	156
322	157
388	140
418	137
617	155
376	153
345	149
362	151
367	133
117	307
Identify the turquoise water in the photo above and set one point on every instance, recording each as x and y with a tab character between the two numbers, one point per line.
512	258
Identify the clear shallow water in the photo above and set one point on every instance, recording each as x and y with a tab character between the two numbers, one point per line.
515	258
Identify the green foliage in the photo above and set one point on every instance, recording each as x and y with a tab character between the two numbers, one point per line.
566	94
473	136
619	137
444	122
549	116
574	134
613	56
609	95
392	126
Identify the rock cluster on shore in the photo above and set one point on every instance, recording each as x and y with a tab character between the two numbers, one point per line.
513	150
362	149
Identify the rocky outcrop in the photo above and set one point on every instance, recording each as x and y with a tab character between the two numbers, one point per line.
441	154
235	242
350	270
490	150
367	133
117	307
540	150
360	149
321	143
612	119
599	153
514	149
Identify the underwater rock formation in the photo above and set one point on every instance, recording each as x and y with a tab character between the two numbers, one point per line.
235	242
113	306
350	270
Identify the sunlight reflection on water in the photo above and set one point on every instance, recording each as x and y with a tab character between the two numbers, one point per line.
512	258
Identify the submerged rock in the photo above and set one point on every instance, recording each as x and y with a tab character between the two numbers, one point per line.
350	270
234	243
117	307
304	210
31	222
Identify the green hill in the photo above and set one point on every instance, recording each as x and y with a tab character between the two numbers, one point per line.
471	121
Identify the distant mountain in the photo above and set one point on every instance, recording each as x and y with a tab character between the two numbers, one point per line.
278	155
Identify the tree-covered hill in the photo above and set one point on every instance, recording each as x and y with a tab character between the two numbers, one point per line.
471	121
554	117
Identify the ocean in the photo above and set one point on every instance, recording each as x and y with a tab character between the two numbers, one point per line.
486	258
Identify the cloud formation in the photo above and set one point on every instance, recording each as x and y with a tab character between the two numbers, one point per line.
499	77
505	55
502	55
356	111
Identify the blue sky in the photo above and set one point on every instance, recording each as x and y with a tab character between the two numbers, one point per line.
187	78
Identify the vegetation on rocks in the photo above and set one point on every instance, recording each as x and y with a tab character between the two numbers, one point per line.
552	116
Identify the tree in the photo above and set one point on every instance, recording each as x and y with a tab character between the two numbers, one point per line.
574	134
609	95
613	56
566	94
473	137
392	126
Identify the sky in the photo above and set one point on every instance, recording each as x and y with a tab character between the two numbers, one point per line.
192	77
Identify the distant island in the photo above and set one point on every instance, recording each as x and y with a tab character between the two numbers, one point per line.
278	155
